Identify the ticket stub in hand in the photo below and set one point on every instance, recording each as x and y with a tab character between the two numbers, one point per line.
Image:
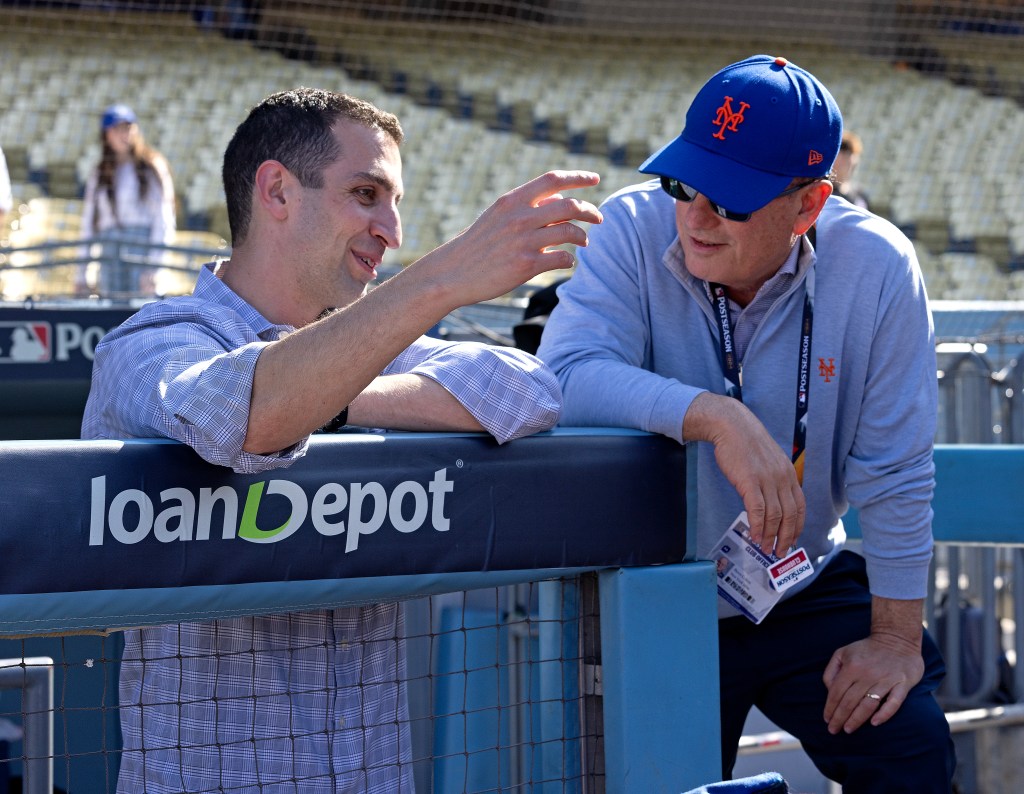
750	580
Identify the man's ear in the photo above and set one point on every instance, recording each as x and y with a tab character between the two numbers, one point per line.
812	201
271	182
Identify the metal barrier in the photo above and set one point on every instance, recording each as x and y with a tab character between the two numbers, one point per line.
972	596
979	534
54	268
965	385
1009	381
959	722
34	677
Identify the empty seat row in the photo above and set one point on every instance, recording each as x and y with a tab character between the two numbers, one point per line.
940	159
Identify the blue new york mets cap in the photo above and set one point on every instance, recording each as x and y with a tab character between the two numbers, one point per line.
753	127
117	114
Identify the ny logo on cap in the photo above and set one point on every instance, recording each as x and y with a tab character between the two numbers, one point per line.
727	118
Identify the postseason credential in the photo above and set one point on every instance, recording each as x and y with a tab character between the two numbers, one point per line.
750	580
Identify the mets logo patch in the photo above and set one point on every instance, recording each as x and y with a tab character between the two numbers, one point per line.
726	118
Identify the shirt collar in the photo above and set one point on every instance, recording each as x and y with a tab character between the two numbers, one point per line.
211	288
799	257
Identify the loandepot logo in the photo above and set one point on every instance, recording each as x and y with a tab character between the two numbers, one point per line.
183	515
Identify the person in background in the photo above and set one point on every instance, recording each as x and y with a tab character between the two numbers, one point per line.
129	206
850	149
732	302
274	344
6	196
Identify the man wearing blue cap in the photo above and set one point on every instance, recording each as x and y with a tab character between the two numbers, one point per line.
732	301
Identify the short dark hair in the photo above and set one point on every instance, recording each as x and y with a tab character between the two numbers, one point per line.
295	128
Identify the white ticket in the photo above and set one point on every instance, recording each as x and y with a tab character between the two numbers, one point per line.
750	580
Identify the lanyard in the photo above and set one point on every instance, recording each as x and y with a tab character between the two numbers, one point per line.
733	370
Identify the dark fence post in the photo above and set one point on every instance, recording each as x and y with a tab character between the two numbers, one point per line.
965	404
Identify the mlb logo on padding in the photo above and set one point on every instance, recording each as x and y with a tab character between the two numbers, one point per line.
25	343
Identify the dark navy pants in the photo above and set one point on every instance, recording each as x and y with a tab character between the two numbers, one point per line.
778	666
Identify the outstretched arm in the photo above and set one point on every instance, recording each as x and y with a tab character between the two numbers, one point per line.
508	244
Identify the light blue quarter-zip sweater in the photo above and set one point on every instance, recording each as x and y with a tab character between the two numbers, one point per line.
634	340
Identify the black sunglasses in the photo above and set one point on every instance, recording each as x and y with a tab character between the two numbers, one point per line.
683	192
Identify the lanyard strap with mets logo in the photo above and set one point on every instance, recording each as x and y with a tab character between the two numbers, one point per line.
733	370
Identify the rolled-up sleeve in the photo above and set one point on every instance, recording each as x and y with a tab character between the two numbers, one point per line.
598	338
180	381
509	392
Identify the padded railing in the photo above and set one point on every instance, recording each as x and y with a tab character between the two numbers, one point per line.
97	535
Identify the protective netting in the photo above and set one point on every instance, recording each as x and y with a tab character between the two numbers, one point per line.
492	693
492	93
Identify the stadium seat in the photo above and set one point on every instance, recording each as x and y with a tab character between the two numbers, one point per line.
941	160
974	277
1015	289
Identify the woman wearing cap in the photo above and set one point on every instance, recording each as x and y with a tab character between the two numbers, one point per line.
6	196
129	199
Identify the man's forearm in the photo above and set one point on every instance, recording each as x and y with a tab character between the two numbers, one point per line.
706	415
409	402
757	467
304	380
898	618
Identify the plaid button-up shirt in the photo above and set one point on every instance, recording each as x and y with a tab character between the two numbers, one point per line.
308	702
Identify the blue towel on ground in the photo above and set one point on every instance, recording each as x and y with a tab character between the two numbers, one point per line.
765	783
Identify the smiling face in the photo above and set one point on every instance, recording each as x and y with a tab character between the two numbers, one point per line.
342	230
743	256
119	138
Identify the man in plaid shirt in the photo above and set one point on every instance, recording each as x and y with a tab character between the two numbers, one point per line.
279	341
